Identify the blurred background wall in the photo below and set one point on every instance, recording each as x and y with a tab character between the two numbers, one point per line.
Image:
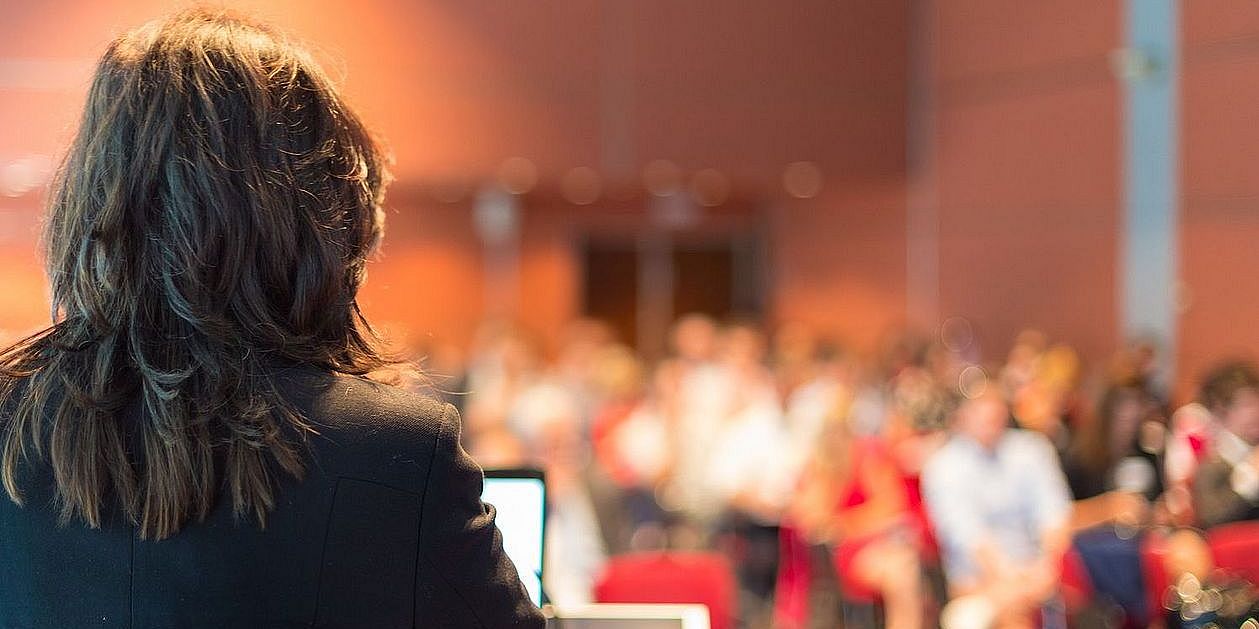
853	166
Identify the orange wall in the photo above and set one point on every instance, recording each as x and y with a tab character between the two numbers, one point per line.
426	284
1220	184
23	290
839	262
457	87
1023	170
1026	169
1028	151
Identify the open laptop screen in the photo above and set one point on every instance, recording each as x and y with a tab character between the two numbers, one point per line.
519	496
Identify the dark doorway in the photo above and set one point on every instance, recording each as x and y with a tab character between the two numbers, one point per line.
703	281
641	287
611	287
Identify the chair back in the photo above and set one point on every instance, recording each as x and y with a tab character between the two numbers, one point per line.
672	577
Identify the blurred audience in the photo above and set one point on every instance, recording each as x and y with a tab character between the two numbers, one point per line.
832	479
630	441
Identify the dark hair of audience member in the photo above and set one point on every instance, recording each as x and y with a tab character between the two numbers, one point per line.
1093	448
1221	384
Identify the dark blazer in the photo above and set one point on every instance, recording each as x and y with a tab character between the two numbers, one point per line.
386	530
1214	499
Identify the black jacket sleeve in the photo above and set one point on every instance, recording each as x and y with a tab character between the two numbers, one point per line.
1214	498
464	578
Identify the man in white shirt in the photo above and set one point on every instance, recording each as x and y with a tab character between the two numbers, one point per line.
1001	509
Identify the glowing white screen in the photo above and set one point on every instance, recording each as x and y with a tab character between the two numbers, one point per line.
520	503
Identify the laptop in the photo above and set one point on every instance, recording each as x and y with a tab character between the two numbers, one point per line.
628	616
519	497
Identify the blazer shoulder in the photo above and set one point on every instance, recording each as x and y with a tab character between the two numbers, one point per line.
373	431
390	410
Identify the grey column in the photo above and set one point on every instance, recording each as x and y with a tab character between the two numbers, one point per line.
1148	271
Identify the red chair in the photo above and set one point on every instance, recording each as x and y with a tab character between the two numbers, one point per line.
859	605
1153	555
672	577
1235	548
1077	586
791	593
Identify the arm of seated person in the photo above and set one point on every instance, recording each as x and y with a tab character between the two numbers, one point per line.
1109	507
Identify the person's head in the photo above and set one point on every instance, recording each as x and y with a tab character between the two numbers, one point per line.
743	345
1022	361
1122	411
618	374
834	443
213	215
983	418
517	354
918	401
694	337
831	361
1231	392
219	181
1115	425
1137	360
794	344
584	338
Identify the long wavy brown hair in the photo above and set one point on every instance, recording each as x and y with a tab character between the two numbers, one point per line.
211	221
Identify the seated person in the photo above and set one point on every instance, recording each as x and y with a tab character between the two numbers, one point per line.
1120	448
1226	485
852	498
1001	509
1112	468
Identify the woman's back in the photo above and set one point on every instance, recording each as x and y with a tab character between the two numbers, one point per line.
385	530
213	218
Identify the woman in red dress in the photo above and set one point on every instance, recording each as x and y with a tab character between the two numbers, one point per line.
853	498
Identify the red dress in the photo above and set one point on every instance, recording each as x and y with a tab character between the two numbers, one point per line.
795	576
854	494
